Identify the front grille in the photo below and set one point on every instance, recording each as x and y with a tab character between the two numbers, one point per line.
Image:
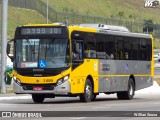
35	74
45	87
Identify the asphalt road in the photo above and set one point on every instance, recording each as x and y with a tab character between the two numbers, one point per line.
141	102
110	102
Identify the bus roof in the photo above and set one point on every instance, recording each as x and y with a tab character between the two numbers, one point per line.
106	27
99	28
111	29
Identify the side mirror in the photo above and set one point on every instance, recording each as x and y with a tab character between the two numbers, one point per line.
10	49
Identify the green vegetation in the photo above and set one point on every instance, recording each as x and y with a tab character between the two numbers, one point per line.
156	44
128	10
18	17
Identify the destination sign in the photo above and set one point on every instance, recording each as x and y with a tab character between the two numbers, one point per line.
42	31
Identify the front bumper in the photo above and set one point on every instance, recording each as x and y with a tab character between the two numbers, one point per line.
61	89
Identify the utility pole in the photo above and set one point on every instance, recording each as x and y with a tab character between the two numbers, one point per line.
4	44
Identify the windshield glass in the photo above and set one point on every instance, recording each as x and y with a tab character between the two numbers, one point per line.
42	53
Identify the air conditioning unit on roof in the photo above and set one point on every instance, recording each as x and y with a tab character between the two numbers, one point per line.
106	27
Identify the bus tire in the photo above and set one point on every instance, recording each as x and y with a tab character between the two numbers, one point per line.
127	95
94	97
38	98
88	92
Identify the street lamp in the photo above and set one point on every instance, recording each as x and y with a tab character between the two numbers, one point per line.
4	43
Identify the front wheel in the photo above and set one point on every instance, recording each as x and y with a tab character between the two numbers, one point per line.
127	95
38	98
88	92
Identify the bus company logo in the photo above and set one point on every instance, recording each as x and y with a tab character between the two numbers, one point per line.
6	114
151	3
37	81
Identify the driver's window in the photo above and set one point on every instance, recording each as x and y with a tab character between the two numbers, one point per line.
78	50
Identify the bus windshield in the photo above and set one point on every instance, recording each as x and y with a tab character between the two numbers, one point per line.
42	53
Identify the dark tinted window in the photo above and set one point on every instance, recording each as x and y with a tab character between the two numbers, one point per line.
100	46
104	46
149	49
135	49
90	45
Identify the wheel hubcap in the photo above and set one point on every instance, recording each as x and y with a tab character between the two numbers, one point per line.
88	91
131	90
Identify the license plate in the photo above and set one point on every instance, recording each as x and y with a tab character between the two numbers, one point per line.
37	88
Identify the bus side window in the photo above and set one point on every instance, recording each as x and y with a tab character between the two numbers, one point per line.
143	49
119	47
90	53
127	49
78	50
90	46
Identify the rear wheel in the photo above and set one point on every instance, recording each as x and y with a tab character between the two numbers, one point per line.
38	98
88	92
127	95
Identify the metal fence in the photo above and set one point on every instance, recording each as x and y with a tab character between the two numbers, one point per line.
73	18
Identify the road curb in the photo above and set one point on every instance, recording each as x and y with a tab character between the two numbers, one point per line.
15	97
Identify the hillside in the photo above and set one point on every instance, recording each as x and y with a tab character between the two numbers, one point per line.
128	10
19	16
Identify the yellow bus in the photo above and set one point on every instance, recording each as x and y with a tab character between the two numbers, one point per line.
83	60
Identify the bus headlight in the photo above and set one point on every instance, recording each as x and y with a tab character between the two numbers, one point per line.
14	78
62	80
17	80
